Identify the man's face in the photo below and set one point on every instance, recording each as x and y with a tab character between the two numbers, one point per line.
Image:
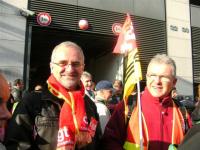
87	82
107	94
67	67
160	80
118	87
20	85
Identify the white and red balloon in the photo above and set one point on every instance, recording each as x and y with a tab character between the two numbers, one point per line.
83	24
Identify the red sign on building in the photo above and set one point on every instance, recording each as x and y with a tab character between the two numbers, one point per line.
43	19
117	28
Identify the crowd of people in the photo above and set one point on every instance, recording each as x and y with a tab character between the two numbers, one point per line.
71	112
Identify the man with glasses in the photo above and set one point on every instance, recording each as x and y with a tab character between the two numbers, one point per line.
60	117
162	121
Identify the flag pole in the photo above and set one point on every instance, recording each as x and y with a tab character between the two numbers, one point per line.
139	111
126	44
140	115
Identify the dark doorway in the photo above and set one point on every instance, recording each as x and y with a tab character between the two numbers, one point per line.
45	39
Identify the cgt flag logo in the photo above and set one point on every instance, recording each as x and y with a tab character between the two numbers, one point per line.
126	44
127	40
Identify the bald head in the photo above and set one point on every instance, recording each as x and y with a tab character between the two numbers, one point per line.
66	45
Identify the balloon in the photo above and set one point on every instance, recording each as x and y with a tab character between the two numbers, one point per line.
83	24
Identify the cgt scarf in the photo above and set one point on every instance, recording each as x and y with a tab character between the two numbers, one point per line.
74	128
133	140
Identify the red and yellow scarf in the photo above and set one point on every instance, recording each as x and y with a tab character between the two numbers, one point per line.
133	140
73	122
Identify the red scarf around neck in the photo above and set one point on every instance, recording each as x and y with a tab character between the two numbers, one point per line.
133	140
73	122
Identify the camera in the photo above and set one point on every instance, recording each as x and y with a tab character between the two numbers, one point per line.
26	13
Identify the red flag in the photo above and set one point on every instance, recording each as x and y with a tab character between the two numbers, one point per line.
126	41
126	44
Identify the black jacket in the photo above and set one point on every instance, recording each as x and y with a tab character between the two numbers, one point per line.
191	139
34	125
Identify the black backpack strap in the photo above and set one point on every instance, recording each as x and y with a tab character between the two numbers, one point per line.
183	112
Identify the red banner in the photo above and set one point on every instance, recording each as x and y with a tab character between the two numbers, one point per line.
127	40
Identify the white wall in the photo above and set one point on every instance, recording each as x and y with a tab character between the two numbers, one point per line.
179	42
195	16
12	38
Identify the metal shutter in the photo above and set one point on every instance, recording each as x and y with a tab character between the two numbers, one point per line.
196	53
150	33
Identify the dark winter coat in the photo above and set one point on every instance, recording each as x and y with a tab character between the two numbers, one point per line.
191	139
34	125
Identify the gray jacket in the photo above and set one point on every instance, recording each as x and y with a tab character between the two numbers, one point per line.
17	94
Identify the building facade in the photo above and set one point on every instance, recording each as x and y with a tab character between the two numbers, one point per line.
170	27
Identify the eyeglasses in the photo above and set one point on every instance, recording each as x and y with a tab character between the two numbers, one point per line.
65	64
162	78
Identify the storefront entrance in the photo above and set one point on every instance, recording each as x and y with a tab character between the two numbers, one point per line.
44	39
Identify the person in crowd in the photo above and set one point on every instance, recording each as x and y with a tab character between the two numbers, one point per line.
191	139
104	91
196	114
174	93
10	101
86	78
60	117
197	98
162	121
93	86
17	90
185	101
117	95
10	85
4	112
38	88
